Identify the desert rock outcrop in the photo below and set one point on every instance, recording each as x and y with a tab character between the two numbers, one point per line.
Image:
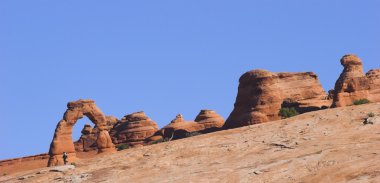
261	95
323	146
353	85
14	165
206	121
63	142
133	129
178	128
210	120
111	121
87	141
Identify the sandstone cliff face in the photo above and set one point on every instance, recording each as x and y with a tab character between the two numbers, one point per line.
261	94
63	142
133	129
354	85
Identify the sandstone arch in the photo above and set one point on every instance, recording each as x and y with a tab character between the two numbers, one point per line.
62	140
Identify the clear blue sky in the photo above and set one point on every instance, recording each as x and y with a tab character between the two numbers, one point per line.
163	57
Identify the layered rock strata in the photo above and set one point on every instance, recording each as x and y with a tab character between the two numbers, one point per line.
261	95
210	120
14	161
133	129
353	85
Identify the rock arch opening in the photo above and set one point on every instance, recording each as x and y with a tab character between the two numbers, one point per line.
63	140
80	128
84	137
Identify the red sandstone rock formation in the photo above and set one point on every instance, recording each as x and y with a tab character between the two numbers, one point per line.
210	120
206	121
87	141
14	161
111	121
14	165
354	85
176	129
262	93
133	129
62	141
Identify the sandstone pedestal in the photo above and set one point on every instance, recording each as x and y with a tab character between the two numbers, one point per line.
353	85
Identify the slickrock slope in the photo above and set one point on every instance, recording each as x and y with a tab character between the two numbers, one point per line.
261	94
354	85
133	129
330	145
10	166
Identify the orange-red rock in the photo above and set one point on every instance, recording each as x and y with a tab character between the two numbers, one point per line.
261	94
111	121
14	165
63	142
133	129
178	128
205	122
353	85
210	120
87	141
